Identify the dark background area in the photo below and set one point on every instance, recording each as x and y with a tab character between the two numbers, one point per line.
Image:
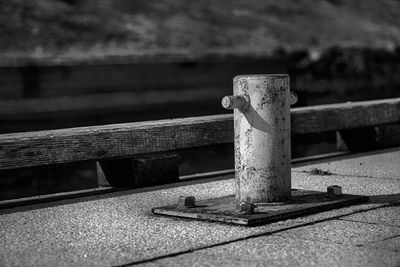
81	62
88	29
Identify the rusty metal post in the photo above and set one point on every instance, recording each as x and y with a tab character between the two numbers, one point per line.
261	106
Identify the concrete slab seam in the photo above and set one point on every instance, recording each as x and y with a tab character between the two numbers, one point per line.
373	223
242	238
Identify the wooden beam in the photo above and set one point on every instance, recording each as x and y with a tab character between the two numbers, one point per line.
112	141
351	115
125	140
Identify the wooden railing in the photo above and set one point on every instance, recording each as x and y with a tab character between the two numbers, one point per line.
116	142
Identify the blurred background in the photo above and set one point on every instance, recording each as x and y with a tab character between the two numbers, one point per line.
69	63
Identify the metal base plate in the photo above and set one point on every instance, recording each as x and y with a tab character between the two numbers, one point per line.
223	209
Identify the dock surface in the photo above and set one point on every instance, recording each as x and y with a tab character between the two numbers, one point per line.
118	228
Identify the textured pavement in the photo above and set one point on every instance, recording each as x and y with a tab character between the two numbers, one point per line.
118	228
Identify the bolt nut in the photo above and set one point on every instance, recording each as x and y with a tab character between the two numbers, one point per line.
246	207
186	201
334	190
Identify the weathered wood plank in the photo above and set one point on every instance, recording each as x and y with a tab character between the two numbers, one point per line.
340	116
111	141
125	140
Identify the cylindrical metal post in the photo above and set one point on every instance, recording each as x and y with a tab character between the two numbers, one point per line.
262	137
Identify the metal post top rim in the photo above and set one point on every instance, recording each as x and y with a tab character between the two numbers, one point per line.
261	76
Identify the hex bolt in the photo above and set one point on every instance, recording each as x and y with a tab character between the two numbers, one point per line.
334	190
244	206
186	201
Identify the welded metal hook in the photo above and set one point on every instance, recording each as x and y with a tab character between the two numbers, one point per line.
293	98
242	102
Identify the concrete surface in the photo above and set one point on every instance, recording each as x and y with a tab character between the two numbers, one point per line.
380	166
383	216
118	228
279	250
344	232
392	243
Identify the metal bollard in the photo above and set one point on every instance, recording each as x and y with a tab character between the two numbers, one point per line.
261	106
